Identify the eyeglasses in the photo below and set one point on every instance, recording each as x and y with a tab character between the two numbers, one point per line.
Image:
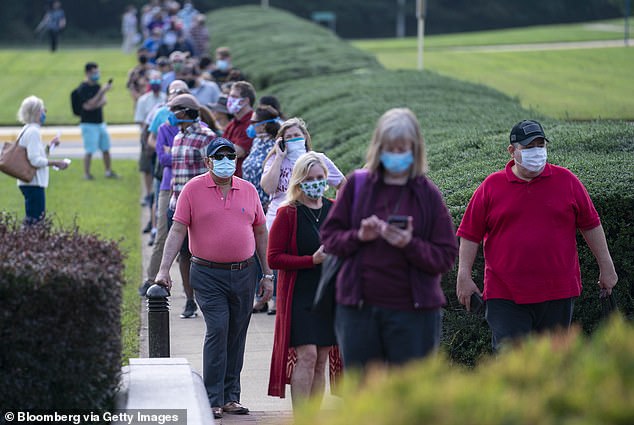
221	156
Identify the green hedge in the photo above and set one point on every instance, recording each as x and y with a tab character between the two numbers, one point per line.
60	325
569	379
272	46
466	129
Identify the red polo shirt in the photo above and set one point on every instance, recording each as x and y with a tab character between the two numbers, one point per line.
236	132
529	233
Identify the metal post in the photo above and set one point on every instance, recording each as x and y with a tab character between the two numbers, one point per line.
420	15
158	321
627	22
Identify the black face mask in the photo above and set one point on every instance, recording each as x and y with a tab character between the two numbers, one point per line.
191	83
143	60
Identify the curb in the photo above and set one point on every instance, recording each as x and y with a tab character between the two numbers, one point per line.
73	133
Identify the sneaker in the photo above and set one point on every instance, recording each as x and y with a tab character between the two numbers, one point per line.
235	408
148	227
272	309
145	286
190	309
152	237
88	177
111	175
217	412
260	307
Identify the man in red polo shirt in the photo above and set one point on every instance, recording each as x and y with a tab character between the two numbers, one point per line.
226	225
240	103
527	216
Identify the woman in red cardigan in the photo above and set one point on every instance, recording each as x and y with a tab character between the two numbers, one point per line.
304	340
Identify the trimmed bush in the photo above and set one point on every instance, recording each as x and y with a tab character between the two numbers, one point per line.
273	46
60	325
466	128
567	379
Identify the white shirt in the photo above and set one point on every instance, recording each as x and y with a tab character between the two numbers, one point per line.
146	103
36	153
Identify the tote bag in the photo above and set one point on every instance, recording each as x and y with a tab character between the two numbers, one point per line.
14	161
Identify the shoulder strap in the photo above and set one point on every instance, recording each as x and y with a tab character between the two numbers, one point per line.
359	181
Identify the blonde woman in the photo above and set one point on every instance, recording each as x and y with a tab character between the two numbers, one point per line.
302	338
396	243
32	114
291	142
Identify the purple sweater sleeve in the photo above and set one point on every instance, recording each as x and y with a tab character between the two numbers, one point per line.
338	234
164	138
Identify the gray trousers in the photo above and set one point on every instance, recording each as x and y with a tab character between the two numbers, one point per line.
225	298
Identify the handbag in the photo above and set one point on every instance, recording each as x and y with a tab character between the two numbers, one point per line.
14	161
324	301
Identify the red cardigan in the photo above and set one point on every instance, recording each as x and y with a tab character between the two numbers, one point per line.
282	256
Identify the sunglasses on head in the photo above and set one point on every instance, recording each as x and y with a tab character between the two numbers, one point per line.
221	156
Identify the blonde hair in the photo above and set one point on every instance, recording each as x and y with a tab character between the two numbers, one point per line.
30	110
301	169
292	122
398	124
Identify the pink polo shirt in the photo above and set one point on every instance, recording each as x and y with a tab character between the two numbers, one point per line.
529	231
220	228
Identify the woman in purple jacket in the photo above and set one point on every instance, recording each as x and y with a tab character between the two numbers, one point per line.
396	239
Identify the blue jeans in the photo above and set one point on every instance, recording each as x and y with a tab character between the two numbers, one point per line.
225	298
34	203
374	334
509	320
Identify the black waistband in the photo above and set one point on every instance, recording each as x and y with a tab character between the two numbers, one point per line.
224	266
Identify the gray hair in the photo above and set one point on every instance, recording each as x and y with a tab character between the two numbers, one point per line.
30	110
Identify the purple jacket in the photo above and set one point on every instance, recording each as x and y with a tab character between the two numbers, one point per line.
431	252
165	137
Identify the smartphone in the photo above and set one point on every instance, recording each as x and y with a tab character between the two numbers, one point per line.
110	81
282	145
477	303
399	221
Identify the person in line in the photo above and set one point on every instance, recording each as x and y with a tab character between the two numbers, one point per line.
130	30
221	113
223	279
528	215
240	104
145	104
206	92
293	140
395	235
199	35
94	131
137	82
264	126
303	339
188	161
32	114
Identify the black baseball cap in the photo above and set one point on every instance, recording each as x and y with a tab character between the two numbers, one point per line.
526	131
218	143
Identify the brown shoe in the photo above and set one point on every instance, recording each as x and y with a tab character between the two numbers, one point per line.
217	412
235	408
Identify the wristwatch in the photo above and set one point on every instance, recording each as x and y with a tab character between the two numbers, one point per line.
268	276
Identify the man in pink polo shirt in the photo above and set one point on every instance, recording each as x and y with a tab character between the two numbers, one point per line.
527	216
226	225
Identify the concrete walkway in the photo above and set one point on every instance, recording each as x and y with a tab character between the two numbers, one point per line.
186	340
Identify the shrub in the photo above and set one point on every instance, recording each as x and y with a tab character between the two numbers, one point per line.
566	379
60	326
272	46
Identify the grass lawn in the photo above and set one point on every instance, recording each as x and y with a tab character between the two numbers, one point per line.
52	76
581	84
109	208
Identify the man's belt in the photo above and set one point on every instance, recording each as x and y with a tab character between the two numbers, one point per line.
224	266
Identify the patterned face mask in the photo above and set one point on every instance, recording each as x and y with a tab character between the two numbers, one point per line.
314	189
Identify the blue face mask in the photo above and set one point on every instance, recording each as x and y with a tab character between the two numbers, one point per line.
95	77
224	168
173	121
397	163
222	64
251	129
42	117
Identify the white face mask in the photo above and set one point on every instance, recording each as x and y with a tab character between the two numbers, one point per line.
534	159
295	147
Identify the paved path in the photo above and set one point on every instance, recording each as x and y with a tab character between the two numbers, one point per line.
566	45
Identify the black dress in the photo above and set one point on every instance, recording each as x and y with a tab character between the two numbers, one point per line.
308	328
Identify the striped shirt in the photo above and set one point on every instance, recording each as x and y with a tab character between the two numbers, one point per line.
188	153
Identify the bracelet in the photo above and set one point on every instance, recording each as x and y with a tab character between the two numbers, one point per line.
268	276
